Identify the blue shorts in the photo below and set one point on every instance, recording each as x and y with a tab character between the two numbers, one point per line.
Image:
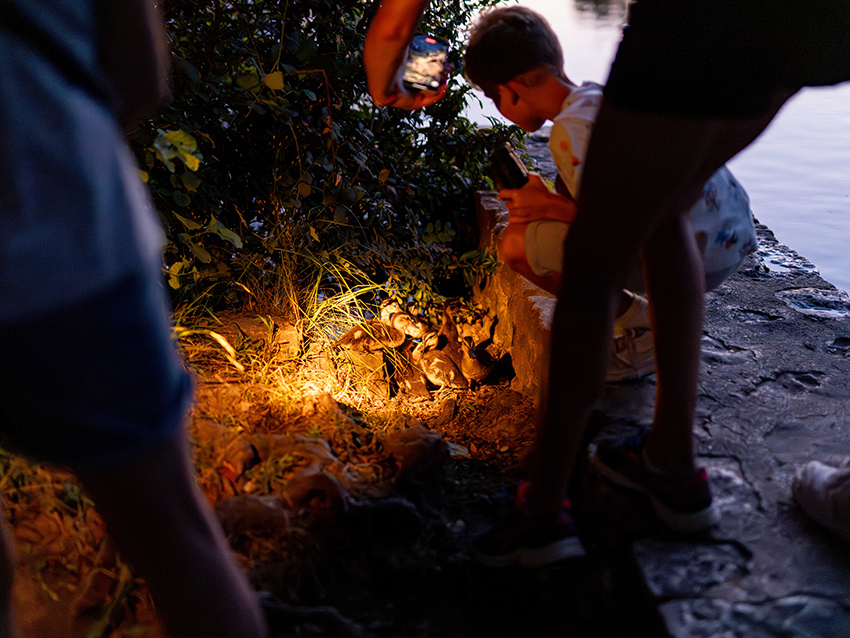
727	58
95	384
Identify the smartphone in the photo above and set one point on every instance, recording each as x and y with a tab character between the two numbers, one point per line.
505	168
426	68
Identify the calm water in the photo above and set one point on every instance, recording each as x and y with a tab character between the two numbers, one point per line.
797	173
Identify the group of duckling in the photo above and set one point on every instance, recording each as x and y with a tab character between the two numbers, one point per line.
419	355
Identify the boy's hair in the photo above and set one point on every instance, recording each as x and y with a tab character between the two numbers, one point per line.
507	42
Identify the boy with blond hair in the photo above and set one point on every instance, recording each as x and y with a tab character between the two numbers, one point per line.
514	57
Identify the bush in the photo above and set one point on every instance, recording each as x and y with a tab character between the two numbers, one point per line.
275	174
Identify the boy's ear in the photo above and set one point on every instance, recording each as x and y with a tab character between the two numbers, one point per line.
510	92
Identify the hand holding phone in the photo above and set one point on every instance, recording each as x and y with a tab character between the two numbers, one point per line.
505	168
427	67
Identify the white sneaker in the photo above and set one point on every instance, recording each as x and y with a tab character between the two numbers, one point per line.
633	356
823	492
636	316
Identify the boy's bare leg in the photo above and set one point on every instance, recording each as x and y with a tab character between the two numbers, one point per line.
512	247
641	168
162	525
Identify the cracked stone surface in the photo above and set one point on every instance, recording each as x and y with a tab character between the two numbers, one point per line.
774	392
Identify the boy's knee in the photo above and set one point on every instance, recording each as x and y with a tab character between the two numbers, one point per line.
512	245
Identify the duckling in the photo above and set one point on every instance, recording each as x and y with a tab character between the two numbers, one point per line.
440	355
390	331
448	339
408	324
407	372
440	370
388	308
477	364
374	335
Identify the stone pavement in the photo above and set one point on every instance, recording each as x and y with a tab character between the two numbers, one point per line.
774	393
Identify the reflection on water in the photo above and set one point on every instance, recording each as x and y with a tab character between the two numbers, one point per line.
607	11
797	173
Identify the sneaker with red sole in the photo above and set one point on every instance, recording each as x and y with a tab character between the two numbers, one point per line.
682	502
529	541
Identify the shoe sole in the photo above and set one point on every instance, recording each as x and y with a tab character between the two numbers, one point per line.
630	375
530	557
690	523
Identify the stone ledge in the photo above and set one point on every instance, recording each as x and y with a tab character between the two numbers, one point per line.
524	310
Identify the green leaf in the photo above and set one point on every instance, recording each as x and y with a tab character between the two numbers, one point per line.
174	273
248	81
199	251
225	233
188	223
190	181
274	80
181	199
191	70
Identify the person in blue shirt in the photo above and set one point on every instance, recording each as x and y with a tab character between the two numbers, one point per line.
89	373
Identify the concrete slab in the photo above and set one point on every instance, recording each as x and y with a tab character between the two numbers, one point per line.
773	395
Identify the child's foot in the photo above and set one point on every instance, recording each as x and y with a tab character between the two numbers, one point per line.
823	492
636	316
633	353
632	357
529	541
682	502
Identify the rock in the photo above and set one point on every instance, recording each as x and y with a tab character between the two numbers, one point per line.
524	311
419	453
266	516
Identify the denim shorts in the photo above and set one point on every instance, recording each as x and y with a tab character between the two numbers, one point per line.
94	384
727	58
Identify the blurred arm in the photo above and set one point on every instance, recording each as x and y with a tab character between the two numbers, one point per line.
385	54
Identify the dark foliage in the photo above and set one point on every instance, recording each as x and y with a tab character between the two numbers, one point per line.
273	170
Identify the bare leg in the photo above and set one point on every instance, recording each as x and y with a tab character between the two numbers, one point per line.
676	284
161	523
513	252
512	248
641	169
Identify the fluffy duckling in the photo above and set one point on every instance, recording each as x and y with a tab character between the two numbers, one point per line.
388	308
440	370
408	373
440	354
477	364
374	335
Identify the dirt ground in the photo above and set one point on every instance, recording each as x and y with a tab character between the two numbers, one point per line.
357	517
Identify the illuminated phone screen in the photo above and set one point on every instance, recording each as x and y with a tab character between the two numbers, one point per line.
426	63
